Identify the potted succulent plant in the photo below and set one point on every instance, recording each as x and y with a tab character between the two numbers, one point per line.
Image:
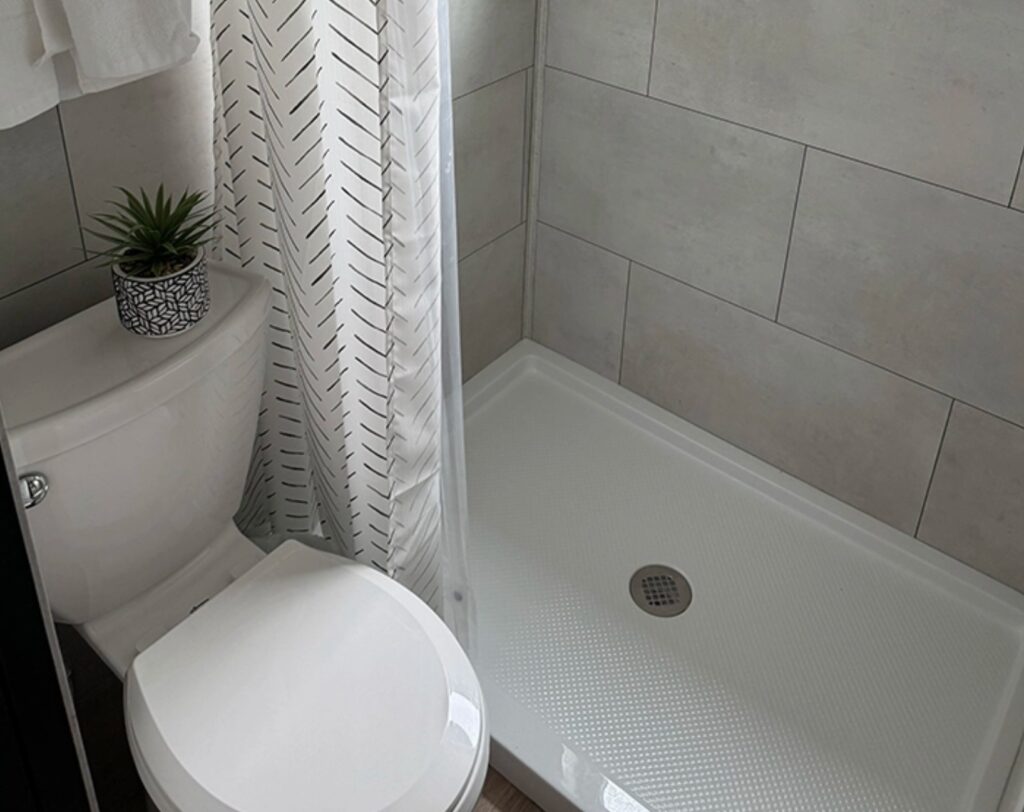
157	257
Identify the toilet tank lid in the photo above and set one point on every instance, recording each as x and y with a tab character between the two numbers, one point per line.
87	375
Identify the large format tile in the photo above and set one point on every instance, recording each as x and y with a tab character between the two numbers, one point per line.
491	300
704	201
490	39
156	130
38	306
932	88
609	40
489	161
1018	192
38	225
579	300
923	281
975	509
855	431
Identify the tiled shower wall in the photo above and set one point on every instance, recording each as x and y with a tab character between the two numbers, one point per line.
58	168
492	59
798	226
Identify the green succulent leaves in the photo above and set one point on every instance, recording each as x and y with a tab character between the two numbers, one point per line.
151	238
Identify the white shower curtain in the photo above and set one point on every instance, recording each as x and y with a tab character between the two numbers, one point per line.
333	142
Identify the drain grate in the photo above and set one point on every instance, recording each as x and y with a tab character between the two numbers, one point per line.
660	590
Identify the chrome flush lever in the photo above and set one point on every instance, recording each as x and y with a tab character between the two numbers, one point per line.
34	488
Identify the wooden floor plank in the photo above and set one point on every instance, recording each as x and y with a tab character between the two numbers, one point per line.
500	796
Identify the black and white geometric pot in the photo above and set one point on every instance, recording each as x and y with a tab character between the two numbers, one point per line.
163	306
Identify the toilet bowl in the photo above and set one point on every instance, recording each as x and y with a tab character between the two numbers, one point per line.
291	680
331	689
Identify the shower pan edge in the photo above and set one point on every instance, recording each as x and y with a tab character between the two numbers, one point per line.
977	592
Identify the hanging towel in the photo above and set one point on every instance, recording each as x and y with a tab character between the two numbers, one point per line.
51	50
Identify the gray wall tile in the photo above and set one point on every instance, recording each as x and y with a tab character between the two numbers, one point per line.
38	225
491	300
925	282
489	161
704	201
851	429
931	88
490	39
975	509
37	306
144	132
155	130
609	40
579	300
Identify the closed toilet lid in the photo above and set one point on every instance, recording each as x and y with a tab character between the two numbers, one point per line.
310	683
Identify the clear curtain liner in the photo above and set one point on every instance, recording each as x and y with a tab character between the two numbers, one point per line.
458	606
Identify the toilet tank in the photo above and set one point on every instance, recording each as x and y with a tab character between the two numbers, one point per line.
145	443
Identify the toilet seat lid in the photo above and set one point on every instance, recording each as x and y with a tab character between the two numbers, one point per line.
310	683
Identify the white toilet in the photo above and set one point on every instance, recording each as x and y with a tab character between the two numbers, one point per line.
253	683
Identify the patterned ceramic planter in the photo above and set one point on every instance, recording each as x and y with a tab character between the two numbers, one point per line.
165	306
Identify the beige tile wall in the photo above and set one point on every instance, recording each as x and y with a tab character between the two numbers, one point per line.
816	212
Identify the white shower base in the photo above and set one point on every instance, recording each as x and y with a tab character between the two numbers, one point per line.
827	662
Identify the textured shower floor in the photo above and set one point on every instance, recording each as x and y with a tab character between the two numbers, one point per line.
827	662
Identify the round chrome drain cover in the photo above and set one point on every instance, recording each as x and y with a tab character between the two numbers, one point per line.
660	590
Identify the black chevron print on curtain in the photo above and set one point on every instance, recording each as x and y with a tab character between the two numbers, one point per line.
327	144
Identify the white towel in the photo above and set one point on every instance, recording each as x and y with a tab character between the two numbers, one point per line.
52	50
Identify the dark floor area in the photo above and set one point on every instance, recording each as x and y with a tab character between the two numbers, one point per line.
98	703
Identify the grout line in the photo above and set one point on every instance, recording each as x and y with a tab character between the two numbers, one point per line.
654	34
625	317
935	467
987	413
728	302
784	326
524	181
655	270
780	137
588	242
1016	180
792	228
536	123
522	288
71	183
675	105
491	83
491	242
46	278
